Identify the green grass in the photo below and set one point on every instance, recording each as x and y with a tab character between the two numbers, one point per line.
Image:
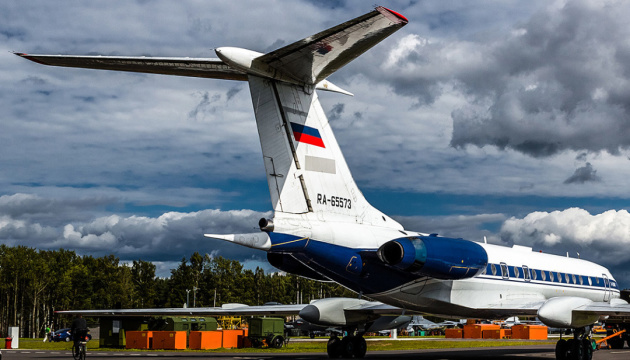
309	346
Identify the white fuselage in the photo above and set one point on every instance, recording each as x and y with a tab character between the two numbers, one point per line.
507	290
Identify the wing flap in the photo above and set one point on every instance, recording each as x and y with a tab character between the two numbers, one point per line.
316	57
194	67
605	309
197	311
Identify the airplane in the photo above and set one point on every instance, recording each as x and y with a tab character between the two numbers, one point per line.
425	324
323	227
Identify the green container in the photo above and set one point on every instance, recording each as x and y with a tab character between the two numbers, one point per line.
185	324
271	330
262	327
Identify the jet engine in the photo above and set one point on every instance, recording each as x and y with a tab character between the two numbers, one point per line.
350	312
558	312
436	257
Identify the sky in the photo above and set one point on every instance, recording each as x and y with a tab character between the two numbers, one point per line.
503	119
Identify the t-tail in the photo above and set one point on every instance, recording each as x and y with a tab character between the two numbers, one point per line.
309	181
312	190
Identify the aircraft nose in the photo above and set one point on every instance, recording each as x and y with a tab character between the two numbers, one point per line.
310	313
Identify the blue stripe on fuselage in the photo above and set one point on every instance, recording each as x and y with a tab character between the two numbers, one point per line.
333	262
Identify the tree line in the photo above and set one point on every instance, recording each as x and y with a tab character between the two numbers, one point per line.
36	283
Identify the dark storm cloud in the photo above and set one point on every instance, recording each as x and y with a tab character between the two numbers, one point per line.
336	111
558	81
233	91
583	174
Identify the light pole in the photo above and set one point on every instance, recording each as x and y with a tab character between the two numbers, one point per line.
194	296
187	296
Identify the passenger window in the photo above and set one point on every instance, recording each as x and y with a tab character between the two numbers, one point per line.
590	281
574	280
516	272
551	278
526	275
494	269
544	275
581	280
504	271
559	277
535	274
566	278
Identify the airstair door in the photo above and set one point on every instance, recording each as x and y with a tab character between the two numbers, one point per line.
607	291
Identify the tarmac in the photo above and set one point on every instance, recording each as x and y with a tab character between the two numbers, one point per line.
508	352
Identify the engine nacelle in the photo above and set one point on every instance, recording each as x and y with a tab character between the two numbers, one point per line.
332	312
558	312
436	257
286	262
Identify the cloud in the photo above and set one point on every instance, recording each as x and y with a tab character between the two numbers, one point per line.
598	237
34	221
556	81
583	174
470	227
336	111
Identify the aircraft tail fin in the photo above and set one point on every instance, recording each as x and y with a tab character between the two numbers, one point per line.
306	170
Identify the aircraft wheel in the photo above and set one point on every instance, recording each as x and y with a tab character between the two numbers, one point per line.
587	349
575	349
561	350
333	348
347	347
360	347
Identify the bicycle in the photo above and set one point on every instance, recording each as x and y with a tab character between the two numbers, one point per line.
79	348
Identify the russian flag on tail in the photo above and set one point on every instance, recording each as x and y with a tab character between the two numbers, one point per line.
307	134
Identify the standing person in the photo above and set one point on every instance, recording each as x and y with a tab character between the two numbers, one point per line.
47	333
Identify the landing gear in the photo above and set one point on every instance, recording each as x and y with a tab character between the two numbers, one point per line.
348	347
578	348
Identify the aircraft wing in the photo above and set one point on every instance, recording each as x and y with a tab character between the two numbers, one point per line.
314	58
605	309
226	310
364	307
195	67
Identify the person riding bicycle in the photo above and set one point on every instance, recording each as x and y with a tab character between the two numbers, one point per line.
79	329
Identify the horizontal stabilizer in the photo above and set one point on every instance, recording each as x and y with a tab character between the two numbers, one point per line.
195	67
316	57
258	241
